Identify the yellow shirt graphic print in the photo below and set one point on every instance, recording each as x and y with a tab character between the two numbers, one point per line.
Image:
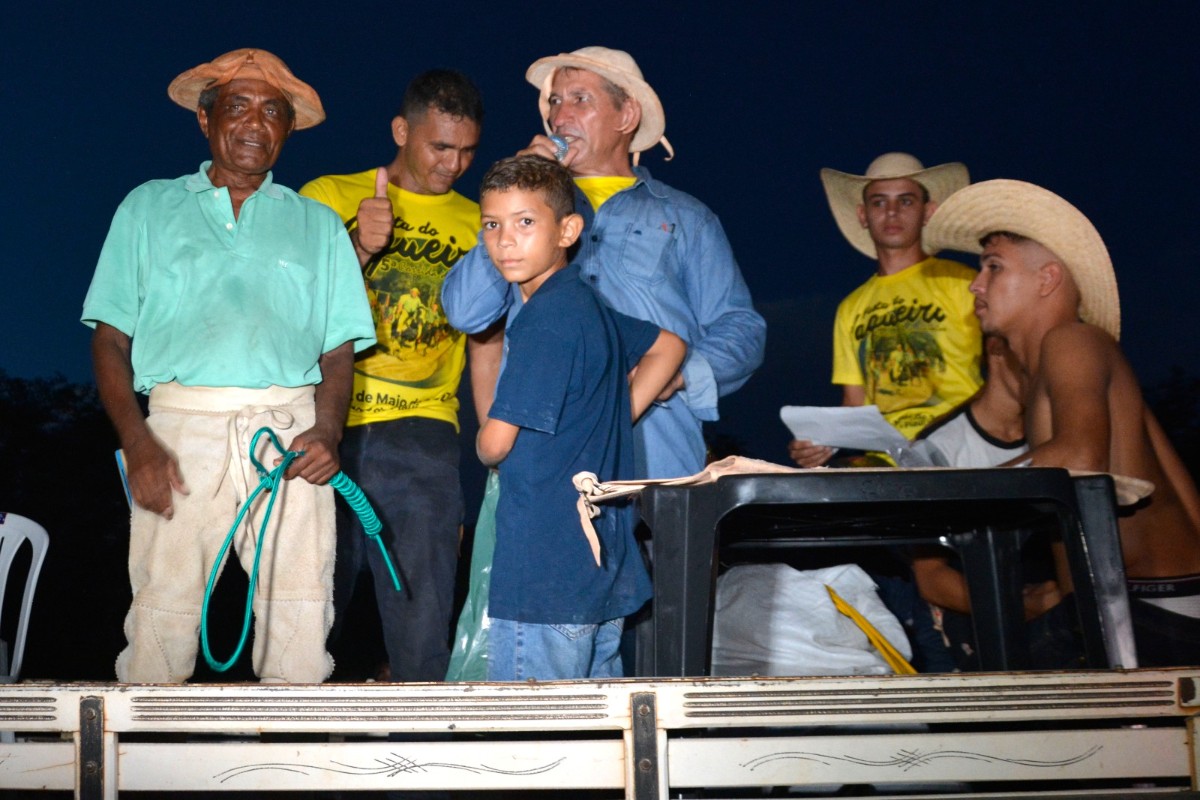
912	341
415	367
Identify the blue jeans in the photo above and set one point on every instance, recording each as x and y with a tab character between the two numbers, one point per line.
518	651
408	469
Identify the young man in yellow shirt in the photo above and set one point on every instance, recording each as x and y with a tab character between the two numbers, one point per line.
401	446
907	340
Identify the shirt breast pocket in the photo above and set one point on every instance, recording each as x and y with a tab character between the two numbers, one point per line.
645	252
294	288
296	275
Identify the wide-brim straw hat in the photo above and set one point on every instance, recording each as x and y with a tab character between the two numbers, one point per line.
253	64
618	67
1039	214
845	191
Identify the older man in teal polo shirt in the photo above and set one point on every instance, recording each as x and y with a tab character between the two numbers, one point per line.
236	304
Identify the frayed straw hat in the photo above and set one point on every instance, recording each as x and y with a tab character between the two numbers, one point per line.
618	67
1039	214
845	191
254	64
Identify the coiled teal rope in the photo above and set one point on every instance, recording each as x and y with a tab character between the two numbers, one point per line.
269	481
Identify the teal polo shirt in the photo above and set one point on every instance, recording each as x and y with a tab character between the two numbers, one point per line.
209	300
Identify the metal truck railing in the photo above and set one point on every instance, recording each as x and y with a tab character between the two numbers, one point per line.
1091	734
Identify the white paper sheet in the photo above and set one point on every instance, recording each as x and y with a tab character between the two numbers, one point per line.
859	428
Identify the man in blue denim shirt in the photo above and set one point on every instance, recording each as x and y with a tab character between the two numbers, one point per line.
651	251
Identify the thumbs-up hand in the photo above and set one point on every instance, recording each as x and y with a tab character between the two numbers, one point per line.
375	220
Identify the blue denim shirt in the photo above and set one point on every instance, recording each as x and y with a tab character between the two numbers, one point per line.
661	255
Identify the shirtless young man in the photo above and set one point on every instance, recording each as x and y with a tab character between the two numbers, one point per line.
1046	285
988	431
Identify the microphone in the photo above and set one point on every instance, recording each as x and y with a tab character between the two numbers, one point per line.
561	144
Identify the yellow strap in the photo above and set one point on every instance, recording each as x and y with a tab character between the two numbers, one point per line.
890	654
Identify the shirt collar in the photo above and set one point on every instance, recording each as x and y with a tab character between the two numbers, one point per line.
567	273
583	206
654	187
199	182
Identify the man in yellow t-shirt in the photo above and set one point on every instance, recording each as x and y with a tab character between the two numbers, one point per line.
401	444
907	340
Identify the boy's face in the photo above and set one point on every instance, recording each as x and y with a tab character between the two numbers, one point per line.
523	239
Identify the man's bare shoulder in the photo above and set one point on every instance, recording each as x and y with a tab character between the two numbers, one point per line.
1078	362
1077	340
1079	334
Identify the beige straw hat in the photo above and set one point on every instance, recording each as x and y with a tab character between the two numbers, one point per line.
618	67
1039	214
845	191
249	63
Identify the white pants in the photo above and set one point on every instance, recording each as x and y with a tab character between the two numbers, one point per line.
208	430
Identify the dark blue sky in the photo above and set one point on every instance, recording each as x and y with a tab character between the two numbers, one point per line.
1095	101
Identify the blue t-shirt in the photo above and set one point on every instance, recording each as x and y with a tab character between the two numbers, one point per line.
658	254
565	386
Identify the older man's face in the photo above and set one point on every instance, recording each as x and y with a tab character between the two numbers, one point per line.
584	114
246	129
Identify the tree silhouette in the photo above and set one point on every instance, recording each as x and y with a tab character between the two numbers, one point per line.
56	452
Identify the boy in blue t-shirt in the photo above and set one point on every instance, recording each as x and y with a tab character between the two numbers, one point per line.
565	403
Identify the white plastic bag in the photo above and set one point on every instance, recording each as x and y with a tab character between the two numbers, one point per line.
771	619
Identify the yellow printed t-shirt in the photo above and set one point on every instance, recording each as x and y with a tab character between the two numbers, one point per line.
912	341
600	189
415	368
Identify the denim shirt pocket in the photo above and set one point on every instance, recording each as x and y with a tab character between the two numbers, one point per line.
644	251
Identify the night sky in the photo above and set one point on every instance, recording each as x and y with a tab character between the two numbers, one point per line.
1095	101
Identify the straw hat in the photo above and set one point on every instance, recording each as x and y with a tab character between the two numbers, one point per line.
618	67
845	191
254	64
1039	214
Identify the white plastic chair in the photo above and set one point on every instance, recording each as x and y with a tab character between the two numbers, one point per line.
15	530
